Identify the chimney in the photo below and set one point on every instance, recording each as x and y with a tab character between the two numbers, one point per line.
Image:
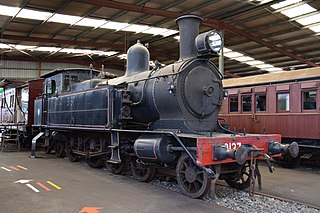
189	29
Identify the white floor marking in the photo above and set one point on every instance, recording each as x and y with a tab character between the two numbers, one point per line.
4	168
32	187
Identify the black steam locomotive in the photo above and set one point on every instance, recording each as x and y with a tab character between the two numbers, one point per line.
166	117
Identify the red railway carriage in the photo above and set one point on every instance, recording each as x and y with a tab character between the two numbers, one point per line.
16	112
286	103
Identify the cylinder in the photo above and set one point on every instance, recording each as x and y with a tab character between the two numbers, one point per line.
153	147
189	29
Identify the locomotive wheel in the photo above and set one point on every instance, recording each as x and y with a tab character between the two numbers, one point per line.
96	162
142	172
73	157
117	169
59	149
192	180
240	181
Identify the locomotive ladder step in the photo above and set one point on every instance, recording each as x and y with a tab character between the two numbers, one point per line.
115	151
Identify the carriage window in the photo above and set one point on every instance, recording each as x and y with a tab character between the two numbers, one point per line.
261	103
246	103
283	102
233	103
309	100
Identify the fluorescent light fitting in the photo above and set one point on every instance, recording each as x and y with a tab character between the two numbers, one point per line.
114	25
309	20
299	10
155	30
137	28
90	22
8	11
284	3
64	19
33	14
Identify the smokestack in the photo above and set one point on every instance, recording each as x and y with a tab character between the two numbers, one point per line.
189	29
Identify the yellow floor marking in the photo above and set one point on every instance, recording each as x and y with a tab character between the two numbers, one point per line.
54	185
22	167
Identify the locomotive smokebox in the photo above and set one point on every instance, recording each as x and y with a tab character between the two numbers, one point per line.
189	29
137	59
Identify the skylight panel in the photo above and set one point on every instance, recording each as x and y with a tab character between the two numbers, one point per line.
169	33
299	10
137	28
309	20
109	53
273	69
24	47
244	58
122	56
264	66
114	25
315	28
255	62
4	46
64	19
47	49
155	30
90	22
284	3
8	11
33	14
233	54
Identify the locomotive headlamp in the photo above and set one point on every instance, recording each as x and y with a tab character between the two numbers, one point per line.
209	43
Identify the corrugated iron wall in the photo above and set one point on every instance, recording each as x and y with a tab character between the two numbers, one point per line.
25	70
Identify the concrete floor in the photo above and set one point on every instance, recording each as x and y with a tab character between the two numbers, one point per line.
83	189
295	184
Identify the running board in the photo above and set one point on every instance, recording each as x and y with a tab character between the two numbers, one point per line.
34	144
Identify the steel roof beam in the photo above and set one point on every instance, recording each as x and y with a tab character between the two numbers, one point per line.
207	22
61	41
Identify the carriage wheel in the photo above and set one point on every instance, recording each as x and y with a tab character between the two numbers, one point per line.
142	172
60	149
116	168
192	180
241	180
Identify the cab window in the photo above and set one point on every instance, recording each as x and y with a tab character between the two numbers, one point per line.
309	99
